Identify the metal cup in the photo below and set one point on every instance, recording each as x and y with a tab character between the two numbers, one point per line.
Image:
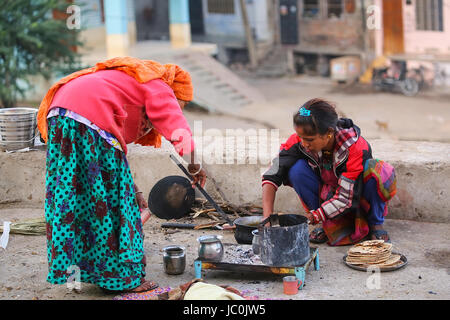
174	259
256	242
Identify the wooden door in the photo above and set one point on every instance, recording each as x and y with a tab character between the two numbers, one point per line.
393	27
152	19
196	17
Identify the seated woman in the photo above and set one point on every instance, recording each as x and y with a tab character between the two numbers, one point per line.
330	166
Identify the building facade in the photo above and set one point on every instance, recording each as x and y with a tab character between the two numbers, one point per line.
94	16
312	32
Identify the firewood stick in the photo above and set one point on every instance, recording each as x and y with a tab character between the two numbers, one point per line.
211	215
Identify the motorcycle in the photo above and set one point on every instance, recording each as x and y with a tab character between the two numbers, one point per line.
401	80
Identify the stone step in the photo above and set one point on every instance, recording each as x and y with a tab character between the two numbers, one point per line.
216	88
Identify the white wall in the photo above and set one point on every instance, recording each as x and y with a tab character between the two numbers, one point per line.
231	26
417	41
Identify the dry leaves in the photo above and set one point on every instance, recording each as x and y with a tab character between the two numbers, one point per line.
202	207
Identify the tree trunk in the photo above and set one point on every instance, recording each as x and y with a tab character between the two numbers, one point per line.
248	33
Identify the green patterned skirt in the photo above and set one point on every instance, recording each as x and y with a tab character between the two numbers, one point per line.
93	221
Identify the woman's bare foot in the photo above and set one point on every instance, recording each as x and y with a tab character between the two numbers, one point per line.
318	236
145	286
378	233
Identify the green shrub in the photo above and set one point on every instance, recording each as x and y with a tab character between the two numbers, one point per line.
32	42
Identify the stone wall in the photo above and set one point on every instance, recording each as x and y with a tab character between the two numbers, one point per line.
423	174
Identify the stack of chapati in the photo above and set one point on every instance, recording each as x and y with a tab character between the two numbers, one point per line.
373	253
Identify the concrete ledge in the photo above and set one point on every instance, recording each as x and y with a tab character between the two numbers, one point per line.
423	171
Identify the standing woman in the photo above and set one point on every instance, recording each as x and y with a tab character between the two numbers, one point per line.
330	166
92	205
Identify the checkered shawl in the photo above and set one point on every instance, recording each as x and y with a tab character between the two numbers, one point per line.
350	152
346	150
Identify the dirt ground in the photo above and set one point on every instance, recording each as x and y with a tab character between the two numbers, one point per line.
23	265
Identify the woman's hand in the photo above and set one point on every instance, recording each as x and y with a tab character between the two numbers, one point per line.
268	200
199	177
143	206
310	217
142	203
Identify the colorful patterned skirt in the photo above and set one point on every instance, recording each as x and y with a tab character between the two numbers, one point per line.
94	229
351	227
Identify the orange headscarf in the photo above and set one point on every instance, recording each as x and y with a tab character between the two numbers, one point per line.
143	71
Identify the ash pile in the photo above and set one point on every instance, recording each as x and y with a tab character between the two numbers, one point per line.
241	254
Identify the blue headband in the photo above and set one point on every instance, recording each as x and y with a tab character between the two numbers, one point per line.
304	112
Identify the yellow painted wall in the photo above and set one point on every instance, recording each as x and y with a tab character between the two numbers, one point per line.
180	35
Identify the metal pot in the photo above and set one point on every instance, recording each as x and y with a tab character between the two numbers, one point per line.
287	244
174	259
17	128
244	227
210	248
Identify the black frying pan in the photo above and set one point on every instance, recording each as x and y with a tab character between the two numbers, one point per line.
205	194
171	198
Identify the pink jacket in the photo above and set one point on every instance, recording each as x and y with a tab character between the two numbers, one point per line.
117	103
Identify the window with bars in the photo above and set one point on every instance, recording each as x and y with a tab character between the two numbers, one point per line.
334	8
221	6
429	15
324	9
311	8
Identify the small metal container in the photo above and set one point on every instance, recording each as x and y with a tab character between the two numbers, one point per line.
210	248
256	242
174	258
